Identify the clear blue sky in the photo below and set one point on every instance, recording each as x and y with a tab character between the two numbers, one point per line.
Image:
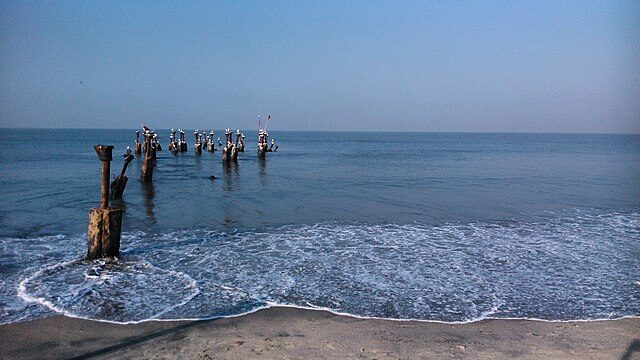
530	66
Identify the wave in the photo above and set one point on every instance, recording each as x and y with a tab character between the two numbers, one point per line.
576	267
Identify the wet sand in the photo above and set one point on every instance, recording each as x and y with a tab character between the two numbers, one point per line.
289	333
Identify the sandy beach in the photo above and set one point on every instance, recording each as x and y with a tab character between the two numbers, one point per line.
290	333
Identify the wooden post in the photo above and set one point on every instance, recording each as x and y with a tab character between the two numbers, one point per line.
183	143
241	146
197	146
156	143
172	141
137	147
262	143
103	233
228	148
211	147
120	183
236	146
149	159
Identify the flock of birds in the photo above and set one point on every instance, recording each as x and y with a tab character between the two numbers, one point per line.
206	140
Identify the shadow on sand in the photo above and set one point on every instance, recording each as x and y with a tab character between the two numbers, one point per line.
634	347
139	340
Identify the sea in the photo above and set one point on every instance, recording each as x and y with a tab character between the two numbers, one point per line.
446	227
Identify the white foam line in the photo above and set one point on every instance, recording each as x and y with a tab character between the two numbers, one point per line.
22	290
22	293
319	308
194	285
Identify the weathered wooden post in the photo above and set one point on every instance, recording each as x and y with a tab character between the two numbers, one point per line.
262	143
211	147
137	147
197	145
228	148
234	150
156	143
239	141
149	158
183	143
103	234
120	183
173	144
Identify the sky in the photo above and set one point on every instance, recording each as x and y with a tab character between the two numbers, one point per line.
476	66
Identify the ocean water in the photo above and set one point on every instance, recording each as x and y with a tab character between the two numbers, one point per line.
430	226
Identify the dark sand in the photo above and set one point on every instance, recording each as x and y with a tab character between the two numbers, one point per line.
284	333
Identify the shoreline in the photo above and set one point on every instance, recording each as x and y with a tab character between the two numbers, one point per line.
292	332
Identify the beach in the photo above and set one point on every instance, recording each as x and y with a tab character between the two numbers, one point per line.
293	333
484	226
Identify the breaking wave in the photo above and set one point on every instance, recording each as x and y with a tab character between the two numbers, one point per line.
577	267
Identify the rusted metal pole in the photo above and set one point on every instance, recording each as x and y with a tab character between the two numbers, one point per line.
105	155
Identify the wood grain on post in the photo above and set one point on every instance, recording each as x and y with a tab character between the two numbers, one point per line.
149	160
103	235
105	224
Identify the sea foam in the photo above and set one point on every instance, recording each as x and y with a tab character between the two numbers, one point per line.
576	267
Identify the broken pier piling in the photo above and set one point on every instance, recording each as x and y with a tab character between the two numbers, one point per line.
120	183
105	223
146	173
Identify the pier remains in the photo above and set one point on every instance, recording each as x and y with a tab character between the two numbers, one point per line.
227	151
105	223
173	143
120	183
149	162
137	147
197	145
182	143
211	147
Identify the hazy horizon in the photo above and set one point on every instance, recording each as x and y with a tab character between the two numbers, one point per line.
542	67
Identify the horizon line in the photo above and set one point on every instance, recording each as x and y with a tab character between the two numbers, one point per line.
353	131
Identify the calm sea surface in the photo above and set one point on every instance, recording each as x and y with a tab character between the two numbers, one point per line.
431	226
